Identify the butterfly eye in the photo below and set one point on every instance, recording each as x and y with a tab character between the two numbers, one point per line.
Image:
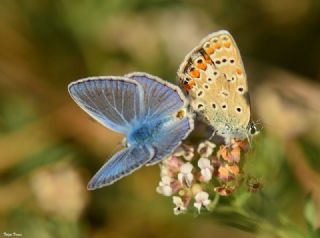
253	130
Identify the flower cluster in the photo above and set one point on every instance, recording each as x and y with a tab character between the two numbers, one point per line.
199	175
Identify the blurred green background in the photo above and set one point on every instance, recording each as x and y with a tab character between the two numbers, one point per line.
49	148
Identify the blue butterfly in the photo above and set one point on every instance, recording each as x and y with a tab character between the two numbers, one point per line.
144	108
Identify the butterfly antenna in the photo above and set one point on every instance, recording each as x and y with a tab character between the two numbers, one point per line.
249	140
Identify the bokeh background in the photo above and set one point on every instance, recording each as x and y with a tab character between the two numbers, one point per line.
49	148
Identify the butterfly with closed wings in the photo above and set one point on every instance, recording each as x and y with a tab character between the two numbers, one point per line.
213	76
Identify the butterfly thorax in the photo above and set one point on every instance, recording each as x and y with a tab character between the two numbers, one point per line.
145	132
226	130
229	131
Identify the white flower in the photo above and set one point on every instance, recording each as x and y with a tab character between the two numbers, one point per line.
205	149
202	199
187	153
164	171
206	169
185	174
180	207
179	152
164	186
188	156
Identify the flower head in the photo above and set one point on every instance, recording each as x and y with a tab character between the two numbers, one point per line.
186	152
205	149
180	206
185	174
201	200
227	171
164	186
191	177
206	169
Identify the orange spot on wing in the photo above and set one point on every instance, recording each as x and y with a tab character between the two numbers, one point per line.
217	45
207	59
189	85
210	50
239	71
194	73
227	44
202	66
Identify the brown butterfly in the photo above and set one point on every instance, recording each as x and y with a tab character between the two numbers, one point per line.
215	81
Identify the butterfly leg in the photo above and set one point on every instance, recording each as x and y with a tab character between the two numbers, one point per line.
213	134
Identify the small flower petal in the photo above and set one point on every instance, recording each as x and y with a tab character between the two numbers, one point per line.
164	190
180	207
206	175
206	169
205	149
185	174
202	199
189	179
223	172
164	186
198	206
177	200
188	156
224	190
186	168
204	163
179	210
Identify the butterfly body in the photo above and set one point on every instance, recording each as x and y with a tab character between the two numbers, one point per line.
141	106
219	89
146	132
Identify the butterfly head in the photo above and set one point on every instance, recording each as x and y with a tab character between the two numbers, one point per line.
229	131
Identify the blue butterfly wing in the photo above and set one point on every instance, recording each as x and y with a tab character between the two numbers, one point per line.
164	100
170	138
121	164
115	102
160	98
